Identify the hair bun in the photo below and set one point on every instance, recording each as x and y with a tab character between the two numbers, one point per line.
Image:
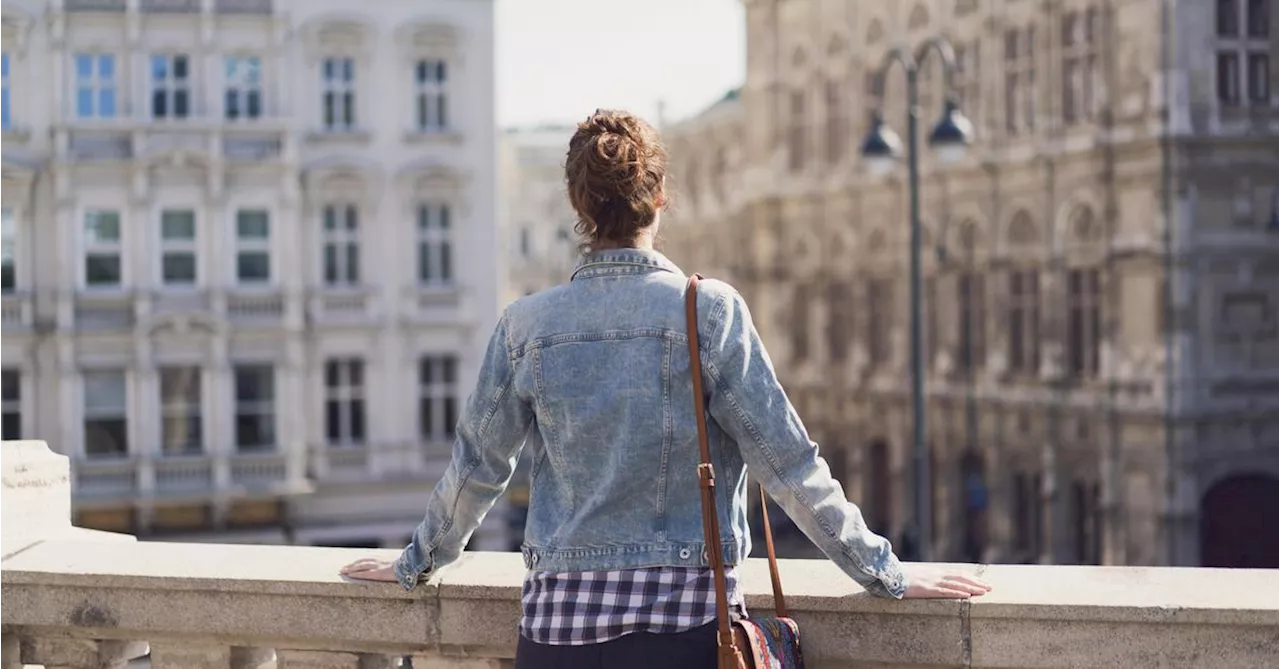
614	172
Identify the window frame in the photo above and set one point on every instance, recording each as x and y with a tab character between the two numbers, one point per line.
345	239
1083	322
99	415
9	240
346	88
435	241
115	248
1024	355
238	86
1020	80
174	247
251	246
12	406
171	86
6	91
187	410
438	395
342	389
96	85
426	89
971	313
255	409
1238	81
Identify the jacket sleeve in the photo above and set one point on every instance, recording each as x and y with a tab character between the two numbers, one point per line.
748	402
490	435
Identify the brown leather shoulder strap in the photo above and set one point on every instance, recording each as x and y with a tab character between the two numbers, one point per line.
706	479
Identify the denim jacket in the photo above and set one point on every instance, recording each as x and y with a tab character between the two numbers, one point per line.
593	377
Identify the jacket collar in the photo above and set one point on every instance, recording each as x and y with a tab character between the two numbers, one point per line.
616	262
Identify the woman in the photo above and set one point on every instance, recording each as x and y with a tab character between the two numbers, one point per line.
593	376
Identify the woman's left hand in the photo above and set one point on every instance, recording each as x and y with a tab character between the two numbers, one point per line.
370	569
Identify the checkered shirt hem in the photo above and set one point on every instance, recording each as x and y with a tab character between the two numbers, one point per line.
579	608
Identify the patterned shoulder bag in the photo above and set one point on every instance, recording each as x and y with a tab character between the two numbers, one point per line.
755	642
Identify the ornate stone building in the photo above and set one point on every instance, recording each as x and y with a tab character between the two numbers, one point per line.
1100	274
248	266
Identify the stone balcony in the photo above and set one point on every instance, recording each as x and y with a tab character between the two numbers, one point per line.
78	599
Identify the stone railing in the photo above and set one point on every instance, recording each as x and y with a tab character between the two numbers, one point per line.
80	601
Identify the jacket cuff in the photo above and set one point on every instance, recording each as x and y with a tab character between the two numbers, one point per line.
891	581
411	569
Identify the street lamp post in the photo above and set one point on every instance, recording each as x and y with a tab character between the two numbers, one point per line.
880	148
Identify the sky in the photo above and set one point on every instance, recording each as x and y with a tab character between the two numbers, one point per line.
558	60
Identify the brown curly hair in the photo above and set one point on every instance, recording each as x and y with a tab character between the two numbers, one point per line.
614	173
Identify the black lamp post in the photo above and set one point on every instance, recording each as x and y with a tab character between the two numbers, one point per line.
881	147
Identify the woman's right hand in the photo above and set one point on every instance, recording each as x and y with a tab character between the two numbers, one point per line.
925	582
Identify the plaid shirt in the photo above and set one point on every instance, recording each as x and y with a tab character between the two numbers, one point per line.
578	608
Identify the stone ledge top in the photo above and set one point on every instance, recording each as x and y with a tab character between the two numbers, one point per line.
1120	594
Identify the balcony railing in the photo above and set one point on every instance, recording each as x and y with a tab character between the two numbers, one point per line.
15	311
243	6
253	308
341	305
89	601
193	476
94	5
203	605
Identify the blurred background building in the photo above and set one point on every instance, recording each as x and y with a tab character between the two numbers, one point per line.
542	247
1100	269
248	274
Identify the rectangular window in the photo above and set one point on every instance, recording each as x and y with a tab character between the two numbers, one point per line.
1083	322
435	247
1259	78
10	404
1260	18
1228	78
178	247
1228	18
253	246
255	407
170	86
968	78
344	401
8	245
102	249
840	326
1024	322
431	85
879	321
244	87
6	117
437	397
341	240
106	423
95	85
929	325
837	122
180	416
798	137
339	93
970	289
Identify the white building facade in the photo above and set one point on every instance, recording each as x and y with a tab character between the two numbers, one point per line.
542	248
248	257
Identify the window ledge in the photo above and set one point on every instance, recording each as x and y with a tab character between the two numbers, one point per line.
353	136
416	136
16	134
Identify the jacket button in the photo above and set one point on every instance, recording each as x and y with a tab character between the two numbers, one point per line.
684	553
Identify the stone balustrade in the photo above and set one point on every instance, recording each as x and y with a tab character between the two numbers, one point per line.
80	600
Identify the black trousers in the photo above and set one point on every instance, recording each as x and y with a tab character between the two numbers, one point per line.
694	649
